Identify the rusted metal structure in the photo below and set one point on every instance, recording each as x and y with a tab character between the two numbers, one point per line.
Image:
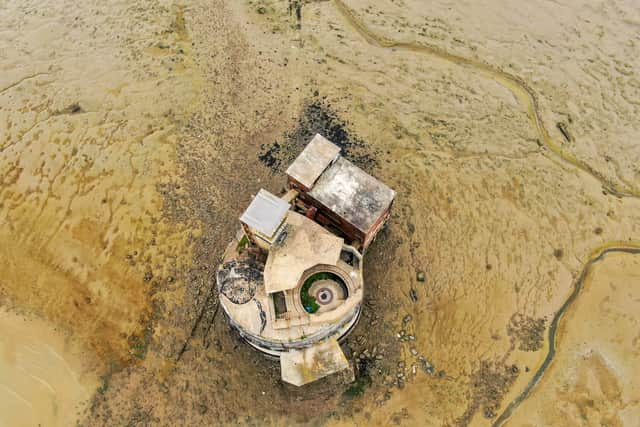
291	281
336	193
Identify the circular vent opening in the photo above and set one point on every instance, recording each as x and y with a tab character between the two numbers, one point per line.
323	291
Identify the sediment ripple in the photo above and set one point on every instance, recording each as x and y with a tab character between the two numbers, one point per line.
521	90
527	97
596	256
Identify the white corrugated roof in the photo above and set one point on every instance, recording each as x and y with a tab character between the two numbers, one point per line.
313	160
265	213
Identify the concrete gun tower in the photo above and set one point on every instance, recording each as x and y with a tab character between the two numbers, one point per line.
291	281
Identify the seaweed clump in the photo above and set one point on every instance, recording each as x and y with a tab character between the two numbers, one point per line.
526	332
308	301
489	383
317	117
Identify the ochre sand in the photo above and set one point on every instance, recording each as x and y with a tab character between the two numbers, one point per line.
593	379
42	379
130	138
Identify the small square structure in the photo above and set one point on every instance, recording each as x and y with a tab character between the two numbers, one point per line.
314	159
300	367
353	195
264	216
337	193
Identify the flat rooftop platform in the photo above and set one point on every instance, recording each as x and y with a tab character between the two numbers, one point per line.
303	245
313	160
353	194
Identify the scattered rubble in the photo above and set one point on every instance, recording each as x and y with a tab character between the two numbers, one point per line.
526	332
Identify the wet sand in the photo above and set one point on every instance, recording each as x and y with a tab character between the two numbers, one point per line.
43	378
133	136
592	380
87	138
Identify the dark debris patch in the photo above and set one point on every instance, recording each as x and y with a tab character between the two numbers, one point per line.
363	378
74	108
526	332
317	117
489	383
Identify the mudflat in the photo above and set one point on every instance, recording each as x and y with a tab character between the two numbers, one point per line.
132	136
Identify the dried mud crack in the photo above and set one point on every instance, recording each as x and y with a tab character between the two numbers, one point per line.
514	84
596	256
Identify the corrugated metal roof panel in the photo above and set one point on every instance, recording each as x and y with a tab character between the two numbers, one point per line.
265	213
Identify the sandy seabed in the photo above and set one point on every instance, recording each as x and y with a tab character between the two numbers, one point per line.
133	135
